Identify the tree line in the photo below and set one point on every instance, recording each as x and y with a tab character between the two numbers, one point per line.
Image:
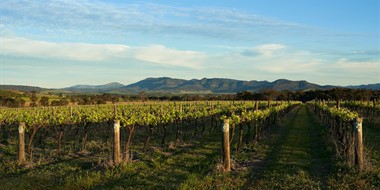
12	99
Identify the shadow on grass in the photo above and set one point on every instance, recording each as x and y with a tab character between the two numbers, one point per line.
276	139
297	156
169	171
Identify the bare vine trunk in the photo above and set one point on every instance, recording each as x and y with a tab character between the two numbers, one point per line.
131	129
178	135
232	133
196	128
164	136
240	137
149	128
248	135
30	143
60	137
84	140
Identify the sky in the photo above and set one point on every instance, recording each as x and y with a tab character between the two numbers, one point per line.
61	43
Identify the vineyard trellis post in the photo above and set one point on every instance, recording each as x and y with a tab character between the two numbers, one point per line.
21	142
117	149
338	104
226	146
359	153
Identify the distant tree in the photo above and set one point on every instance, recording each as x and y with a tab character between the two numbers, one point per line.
33	99
125	98
337	93
115	99
55	103
245	95
101	101
44	101
61	102
64	102
21	102
269	94
365	95
72	99
142	96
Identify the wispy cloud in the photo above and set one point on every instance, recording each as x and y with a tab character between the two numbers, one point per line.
265	62
156	54
266	50
71	51
97	18
351	67
162	55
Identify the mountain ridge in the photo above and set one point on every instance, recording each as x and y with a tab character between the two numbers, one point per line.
94	88
204	85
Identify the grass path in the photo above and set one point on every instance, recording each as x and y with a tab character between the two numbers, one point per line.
298	158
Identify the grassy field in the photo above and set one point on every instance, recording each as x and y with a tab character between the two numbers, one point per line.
294	155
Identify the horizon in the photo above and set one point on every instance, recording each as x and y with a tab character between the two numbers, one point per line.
58	44
73	85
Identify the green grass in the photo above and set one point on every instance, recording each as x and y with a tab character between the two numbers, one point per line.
159	168
298	157
293	156
345	178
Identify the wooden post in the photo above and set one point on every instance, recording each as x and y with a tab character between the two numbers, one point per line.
117	149
338	104
359	153
21	143
257	105
226	146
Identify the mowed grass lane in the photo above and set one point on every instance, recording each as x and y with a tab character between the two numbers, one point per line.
299	158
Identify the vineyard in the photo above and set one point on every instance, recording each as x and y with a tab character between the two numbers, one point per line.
187	145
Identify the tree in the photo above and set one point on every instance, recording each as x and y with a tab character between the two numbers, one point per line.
245	95
72	99
269	94
115	99
44	101
143	96
33	99
64	102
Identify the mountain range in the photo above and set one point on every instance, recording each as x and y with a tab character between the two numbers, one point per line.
205	85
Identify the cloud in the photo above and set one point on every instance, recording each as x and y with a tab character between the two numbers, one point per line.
162	55
70	51
355	67
266	50
98	18
156	54
265	62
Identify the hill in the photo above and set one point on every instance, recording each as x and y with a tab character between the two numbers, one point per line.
94	88
193	86
368	86
215	85
22	88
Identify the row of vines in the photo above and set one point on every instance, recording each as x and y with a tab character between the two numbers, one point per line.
56	131
345	132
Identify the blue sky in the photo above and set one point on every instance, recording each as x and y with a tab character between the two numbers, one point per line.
63	43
